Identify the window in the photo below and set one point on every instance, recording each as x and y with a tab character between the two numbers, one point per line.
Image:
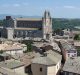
40	69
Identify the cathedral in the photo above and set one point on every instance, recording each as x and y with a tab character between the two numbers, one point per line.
28	27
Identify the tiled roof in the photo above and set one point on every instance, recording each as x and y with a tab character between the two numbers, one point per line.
52	58
43	60
72	65
29	19
67	46
26	28
11	64
11	46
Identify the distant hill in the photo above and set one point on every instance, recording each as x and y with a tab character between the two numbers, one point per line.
2	16
62	23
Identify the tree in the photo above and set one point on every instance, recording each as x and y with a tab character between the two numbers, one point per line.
28	44
29	47
76	37
1	51
1	22
58	31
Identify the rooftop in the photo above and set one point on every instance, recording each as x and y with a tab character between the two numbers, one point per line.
67	46
11	64
11	46
27	28
72	65
4	71
40	44
52	58
43	60
26	59
29	19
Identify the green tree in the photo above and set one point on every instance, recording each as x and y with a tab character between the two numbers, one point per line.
76	37
1	51
28	44
29	47
1	22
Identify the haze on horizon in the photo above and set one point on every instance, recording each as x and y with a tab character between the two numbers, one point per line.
57	8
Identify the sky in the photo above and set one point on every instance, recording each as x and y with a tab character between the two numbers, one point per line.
57	8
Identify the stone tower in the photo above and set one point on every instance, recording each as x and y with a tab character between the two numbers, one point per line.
47	26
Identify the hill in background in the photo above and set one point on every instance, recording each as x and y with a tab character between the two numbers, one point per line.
62	23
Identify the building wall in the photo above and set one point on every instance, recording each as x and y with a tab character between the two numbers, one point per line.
68	55
43	25
36	69
10	33
67	51
14	52
47	26
58	66
28	33
20	70
51	70
29	24
69	73
46	70
24	48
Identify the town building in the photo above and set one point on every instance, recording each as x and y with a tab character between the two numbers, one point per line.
28	27
12	67
77	43
12	48
65	34
46	65
68	33
72	66
68	50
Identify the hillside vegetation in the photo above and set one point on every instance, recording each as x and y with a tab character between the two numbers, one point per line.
1	22
61	23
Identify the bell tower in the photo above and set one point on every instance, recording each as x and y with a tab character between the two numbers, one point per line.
47	26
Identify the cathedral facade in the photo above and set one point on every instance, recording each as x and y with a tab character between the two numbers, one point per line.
28	27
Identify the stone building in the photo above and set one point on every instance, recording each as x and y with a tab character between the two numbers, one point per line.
12	67
67	50
28	27
47	65
13	48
